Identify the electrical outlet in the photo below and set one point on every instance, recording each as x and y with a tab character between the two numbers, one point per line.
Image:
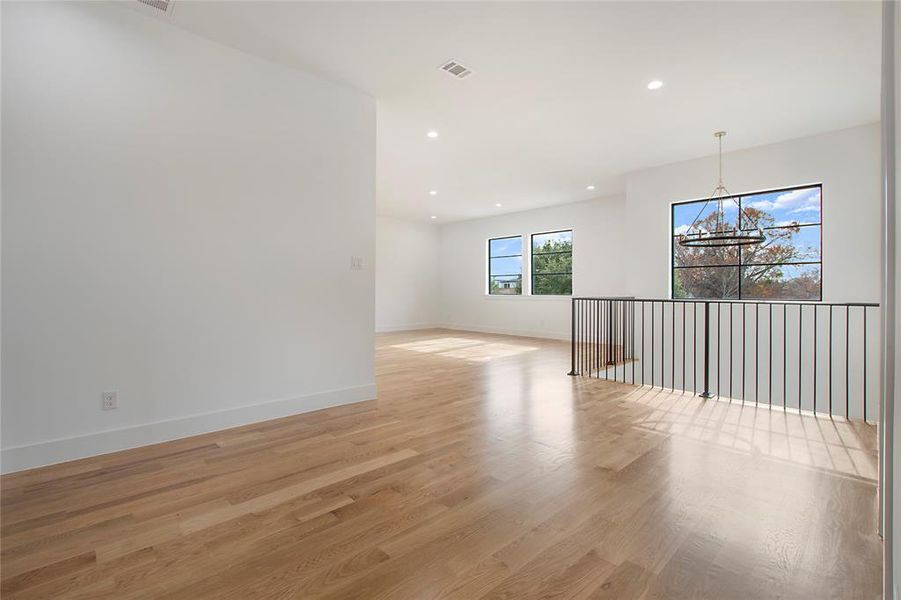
110	400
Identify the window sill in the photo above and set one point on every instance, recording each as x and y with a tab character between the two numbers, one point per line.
524	296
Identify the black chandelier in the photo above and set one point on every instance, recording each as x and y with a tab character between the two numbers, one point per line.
722	234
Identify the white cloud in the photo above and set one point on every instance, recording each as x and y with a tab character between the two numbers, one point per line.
795	201
680	229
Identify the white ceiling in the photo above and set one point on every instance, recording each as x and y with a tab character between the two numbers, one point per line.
558	99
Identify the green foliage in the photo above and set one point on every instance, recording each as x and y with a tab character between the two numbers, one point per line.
552	264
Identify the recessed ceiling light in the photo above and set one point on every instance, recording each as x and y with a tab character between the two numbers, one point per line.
433	192
434	217
655	85
589	187
432	134
498	205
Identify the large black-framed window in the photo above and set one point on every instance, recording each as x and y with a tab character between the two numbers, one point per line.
505	266
786	266
552	263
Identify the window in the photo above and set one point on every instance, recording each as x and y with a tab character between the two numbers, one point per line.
786	266
505	266
552	263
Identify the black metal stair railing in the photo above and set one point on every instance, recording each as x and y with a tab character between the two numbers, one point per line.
815	356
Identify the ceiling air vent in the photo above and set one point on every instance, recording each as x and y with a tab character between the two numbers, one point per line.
456	69
163	5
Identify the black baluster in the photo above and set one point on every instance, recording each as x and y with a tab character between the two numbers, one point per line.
632	337
864	364
622	330
585	309
847	354
609	340
719	353
814	359
572	337
743	347
652	343
694	345
731	329
673	347
597	334
589	335
643	379
706	392
683	346
784	355
621	348
770	370
662	330
581	336
599	330
613	334
607	313
600	333
609	319
830	361
800	352
756	353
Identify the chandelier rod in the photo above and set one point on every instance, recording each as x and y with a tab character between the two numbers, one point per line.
719	136
720	188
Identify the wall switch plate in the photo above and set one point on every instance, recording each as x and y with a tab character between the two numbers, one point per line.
110	400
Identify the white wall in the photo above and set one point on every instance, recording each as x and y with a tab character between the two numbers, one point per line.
178	221
406	275
846	162
599	260
621	244
892	503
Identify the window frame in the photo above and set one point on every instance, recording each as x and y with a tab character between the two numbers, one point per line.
532	263
740	265
522	291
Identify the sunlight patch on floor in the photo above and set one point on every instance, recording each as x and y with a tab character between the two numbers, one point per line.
820	442
466	349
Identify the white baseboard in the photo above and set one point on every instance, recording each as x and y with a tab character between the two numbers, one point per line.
548	335
103	442
390	328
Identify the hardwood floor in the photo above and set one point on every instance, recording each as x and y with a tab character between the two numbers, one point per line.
482	471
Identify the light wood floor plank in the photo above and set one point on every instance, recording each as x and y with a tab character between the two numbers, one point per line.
481	471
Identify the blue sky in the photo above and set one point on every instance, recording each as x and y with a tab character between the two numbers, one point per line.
685	214
506	266
505	246
794	206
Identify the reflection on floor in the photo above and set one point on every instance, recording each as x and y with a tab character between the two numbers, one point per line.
482	471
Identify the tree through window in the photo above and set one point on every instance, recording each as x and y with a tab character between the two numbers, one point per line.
552	263
786	266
